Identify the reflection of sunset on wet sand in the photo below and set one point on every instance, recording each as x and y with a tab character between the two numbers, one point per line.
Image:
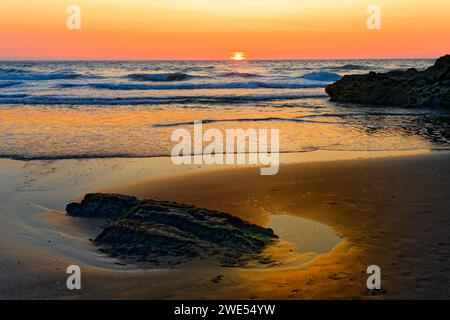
64	132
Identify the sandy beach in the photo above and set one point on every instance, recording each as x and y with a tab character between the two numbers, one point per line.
388	211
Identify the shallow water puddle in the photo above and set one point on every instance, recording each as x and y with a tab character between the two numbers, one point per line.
306	235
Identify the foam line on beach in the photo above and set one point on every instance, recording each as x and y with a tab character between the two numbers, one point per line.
336	151
206	121
213	99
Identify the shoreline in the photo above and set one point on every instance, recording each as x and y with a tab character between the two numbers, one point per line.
336	274
283	154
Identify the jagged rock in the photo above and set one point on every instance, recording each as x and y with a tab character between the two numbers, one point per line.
160	232
410	88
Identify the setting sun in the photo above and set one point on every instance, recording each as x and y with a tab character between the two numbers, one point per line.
238	56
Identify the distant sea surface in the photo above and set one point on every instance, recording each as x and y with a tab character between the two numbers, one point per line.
52	110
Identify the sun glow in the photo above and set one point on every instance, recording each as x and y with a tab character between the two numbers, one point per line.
238	56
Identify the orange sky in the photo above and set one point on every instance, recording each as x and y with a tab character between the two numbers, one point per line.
212	29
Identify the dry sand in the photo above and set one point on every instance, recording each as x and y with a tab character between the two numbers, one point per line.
392	212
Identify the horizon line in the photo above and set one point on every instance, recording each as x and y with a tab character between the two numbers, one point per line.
219	60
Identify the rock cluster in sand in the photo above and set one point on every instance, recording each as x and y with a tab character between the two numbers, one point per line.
160	232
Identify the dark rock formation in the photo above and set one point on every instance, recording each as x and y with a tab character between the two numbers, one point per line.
410	88
160	232
107	206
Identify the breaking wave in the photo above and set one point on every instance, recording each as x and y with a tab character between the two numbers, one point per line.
9	84
194	86
38	76
322	76
239	75
160	77
351	67
12	70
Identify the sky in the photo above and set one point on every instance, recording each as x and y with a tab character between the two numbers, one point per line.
213	29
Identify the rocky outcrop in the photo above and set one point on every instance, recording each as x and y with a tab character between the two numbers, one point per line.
100	205
159	232
410	88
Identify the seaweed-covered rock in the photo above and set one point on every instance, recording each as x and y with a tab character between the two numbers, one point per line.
161	232
410	88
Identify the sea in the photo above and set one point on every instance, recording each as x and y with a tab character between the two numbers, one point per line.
108	109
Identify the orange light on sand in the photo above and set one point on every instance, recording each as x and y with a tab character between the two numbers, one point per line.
237	56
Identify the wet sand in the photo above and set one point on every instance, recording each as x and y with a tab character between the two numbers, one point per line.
392	212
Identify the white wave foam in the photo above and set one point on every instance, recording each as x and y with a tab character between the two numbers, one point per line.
322	76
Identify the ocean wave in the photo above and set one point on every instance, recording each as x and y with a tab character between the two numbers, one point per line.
213	99
322	76
6	84
70	85
39	76
198	68
239	75
160	77
351	67
13	96
12	70
196	86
